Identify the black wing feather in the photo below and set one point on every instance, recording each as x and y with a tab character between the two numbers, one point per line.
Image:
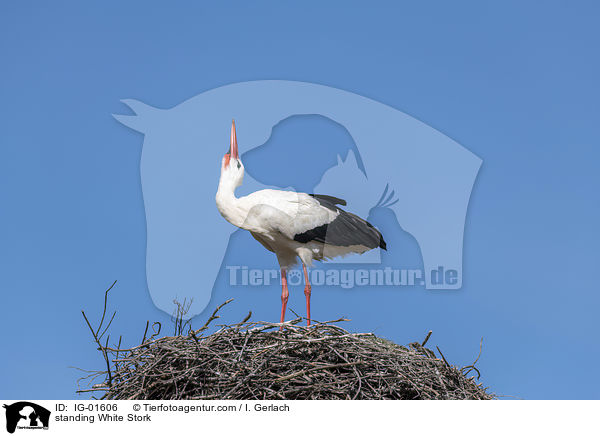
328	200
345	230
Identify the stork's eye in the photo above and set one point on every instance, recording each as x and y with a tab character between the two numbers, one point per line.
239	165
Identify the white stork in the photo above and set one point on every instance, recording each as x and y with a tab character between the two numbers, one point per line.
292	224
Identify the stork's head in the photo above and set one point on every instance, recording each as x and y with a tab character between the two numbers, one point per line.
232	168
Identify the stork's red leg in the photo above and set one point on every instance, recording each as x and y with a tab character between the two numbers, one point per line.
307	289
284	295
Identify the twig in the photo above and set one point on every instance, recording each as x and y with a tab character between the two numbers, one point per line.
426	338
145	331
105	305
440	351
212	317
100	347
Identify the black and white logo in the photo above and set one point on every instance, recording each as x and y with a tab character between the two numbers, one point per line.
26	415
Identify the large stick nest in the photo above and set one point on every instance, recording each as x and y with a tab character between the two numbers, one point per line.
255	360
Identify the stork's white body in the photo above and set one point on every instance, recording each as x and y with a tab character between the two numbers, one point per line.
275	217
292	224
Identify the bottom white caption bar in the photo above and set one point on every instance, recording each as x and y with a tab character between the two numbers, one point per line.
302	417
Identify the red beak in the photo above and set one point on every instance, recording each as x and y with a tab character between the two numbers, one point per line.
233	147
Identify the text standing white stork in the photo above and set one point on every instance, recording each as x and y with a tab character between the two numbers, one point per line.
292	224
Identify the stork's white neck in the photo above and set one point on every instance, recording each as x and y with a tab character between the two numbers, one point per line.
228	204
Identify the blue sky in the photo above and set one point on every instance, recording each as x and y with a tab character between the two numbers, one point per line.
514	82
